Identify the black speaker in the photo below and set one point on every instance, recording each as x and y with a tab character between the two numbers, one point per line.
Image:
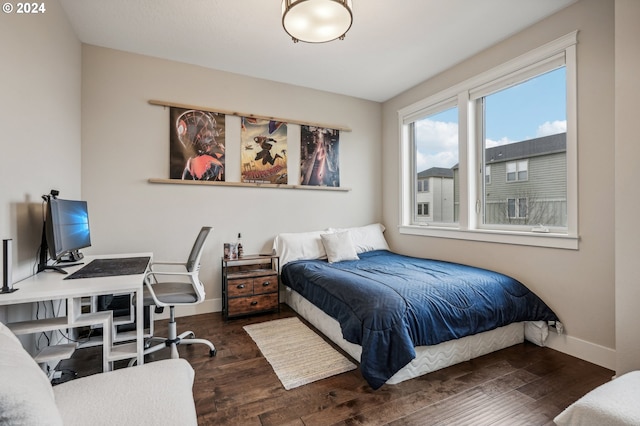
7	264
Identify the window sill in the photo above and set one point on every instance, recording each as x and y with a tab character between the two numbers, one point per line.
550	240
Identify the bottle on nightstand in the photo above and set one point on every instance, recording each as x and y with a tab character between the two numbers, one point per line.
239	246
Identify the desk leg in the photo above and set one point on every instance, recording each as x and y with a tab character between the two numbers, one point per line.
140	325
107	342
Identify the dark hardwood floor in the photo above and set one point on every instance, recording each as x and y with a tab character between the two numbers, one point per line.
520	385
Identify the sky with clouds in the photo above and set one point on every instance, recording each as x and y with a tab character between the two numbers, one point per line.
529	110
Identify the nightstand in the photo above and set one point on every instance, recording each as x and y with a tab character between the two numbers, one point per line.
250	285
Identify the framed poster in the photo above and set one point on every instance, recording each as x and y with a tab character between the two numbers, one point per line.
319	156
197	145
264	151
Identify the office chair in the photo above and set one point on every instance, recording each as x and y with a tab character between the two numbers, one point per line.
173	288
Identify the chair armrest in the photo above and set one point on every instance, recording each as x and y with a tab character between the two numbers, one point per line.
150	276
167	263
169	273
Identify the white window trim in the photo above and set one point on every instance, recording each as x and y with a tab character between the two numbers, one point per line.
428	208
516	206
518	170
467	228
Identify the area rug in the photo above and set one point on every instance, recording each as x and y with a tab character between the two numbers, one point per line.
297	354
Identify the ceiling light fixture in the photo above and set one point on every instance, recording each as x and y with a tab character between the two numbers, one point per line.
316	21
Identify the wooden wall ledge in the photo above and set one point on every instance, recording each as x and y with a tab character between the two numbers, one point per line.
246	184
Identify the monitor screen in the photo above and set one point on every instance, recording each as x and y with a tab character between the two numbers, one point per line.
67	227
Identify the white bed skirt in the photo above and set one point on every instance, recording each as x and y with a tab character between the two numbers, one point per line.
428	358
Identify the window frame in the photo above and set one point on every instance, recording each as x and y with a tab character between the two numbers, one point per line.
463	96
517	208
517	172
421	185
423	204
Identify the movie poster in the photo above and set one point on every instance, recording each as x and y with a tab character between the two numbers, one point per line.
319	157
264	151
197	144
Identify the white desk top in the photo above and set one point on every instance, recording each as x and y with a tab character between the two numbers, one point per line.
51	285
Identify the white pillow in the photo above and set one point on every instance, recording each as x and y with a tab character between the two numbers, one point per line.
367	238
339	246
300	245
26	396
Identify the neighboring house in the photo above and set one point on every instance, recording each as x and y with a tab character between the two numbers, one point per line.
434	195
526	182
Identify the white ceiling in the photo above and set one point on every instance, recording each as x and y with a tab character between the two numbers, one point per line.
391	47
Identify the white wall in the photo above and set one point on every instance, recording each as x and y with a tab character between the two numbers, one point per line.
125	141
578	285
627	145
40	122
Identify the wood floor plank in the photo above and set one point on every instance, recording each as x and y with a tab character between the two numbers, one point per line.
520	385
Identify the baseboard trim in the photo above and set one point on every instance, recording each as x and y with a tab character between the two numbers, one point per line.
587	351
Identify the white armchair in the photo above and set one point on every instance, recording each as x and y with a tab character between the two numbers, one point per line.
128	396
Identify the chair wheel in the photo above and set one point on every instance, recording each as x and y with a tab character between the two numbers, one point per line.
212	352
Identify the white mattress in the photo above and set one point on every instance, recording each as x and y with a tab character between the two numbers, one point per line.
428	358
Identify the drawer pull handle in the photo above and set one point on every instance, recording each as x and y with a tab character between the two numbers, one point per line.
254	303
266	283
240	286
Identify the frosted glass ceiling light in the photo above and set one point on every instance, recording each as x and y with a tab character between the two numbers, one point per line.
316	21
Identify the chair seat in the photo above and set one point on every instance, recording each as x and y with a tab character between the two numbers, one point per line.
171	292
614	403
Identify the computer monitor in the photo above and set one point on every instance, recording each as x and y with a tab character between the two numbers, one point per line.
66	231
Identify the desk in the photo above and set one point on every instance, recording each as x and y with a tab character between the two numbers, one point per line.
51	285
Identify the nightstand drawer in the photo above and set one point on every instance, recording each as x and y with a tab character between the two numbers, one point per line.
248	305
266	284
240	287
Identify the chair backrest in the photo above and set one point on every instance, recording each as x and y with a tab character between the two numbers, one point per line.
193	262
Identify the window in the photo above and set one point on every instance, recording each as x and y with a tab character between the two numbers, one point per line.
516	142
517	171
423	209
517	122
517	208
434	149
423	185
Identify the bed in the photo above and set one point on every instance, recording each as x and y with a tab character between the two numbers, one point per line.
402	316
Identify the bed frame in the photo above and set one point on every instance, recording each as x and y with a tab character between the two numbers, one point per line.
428	358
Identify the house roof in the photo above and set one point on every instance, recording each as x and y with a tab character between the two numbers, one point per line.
544	145
528	148
436	172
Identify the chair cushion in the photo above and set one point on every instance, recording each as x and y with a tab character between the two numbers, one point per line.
26	397
156	393
171	292
613	403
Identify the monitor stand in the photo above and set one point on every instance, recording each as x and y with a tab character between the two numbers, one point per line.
73	256
42	264
52	268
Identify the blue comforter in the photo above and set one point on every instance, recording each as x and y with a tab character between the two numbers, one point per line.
390	303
